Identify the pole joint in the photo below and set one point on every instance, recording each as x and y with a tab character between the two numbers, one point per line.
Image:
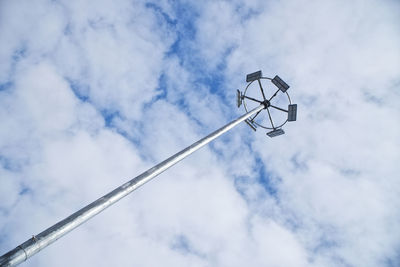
266	103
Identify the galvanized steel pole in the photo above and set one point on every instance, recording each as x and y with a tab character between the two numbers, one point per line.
48	236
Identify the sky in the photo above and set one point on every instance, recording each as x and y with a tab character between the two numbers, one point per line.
93	93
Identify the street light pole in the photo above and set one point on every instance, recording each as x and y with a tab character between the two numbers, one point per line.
36	243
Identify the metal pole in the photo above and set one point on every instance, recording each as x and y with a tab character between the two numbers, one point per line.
48	236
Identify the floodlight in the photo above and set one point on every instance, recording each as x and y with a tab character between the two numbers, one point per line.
252	126
253	76
292	112
275	132
238	98
280	83
248	95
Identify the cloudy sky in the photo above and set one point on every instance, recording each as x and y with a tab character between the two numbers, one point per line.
93	93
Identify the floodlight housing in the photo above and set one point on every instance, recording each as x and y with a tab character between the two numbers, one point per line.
280	83
251	125
238	98
292	112
253	76
276	132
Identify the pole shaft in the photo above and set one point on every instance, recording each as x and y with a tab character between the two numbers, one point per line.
51	234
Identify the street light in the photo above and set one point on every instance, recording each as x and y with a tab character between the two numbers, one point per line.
40	241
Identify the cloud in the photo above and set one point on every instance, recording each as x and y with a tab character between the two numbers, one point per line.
92	94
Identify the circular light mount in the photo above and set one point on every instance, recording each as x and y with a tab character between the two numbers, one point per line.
278	104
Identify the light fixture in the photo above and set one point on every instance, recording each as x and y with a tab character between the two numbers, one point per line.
292	112
253	76
238	98
252	126
280	83
276	132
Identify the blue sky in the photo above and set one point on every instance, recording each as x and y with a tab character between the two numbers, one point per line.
94	93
